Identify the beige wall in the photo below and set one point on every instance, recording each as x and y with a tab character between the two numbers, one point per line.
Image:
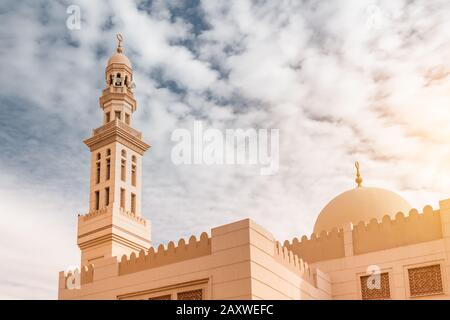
408	242
345	272
242	264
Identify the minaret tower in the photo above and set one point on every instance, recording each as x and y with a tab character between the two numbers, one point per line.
114	225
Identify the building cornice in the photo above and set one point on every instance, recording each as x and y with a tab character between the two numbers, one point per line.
119	132
117	94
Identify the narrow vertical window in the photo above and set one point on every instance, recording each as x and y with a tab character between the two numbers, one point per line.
106	196
123	174
127	118
108	117
97	178
117	113
108	169
122	198
133	203
97	200
133	175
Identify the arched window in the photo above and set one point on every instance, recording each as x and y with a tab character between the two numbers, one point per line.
133	175
123	173
108	152
108	168
118	81
133	158
124	153
99	156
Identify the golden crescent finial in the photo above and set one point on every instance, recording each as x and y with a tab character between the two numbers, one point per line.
120	43
358	179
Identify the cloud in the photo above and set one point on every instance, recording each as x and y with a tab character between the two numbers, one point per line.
360	80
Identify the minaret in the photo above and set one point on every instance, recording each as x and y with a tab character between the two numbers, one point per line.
114	225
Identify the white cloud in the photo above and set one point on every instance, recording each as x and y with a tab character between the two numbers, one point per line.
360	80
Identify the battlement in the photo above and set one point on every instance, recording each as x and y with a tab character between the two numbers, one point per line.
401	231
291	260
94	213
86	275
372	236
164	256
328	245
108	210
133	217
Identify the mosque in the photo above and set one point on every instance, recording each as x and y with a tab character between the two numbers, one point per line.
368	243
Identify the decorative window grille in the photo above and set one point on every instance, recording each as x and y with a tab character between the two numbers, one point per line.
369	291
191	295
425	281
164	297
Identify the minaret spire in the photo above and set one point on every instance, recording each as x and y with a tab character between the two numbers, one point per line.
119	43
358	179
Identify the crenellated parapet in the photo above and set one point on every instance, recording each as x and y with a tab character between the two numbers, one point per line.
95	213
292	261
400	231
328	245
370	237
164	256
76	277
133	216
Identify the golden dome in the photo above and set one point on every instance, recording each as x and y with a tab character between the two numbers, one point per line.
119	57
360	204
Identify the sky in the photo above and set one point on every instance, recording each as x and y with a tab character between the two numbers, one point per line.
342	81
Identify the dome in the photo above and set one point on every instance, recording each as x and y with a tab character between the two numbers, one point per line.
360	204
119	58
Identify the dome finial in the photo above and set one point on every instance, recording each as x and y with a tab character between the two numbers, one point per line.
358	179
119	43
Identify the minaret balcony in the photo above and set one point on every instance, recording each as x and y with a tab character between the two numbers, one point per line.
108	210
118	93
117	89
120	124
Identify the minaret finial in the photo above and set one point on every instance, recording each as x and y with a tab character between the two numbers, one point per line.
120	43
358	179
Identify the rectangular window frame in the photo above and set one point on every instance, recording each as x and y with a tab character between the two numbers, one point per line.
133	175
133	203
97	200
97	172
107	194
108	168
364	272
122	198
172	290
406	269
123	170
